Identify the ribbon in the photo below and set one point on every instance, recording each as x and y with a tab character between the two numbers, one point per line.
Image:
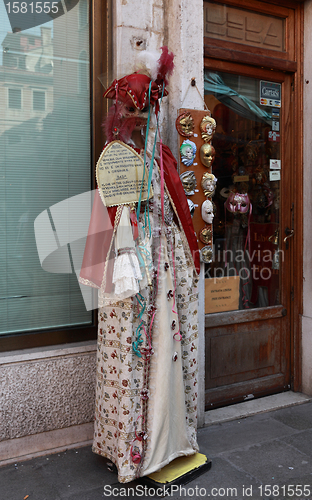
136	344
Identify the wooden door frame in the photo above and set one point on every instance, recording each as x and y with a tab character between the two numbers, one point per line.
297	309
228	57
101	35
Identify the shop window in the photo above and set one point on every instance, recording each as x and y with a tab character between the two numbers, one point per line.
83	73
15	98
39	100
246	203
83	13
44	160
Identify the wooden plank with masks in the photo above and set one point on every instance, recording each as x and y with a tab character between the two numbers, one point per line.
196	156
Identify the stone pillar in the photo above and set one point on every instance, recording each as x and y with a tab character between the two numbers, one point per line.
137	26
184	28
184	37
307	205
179	25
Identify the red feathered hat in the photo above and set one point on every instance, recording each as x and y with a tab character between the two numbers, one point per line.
134	89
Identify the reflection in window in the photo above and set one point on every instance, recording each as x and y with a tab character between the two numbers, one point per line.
39	100
83	83
13	139
44	159
15	98
83	13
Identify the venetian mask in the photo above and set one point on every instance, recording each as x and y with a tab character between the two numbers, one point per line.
185	124
225	192
188	180
207	211
208	184
207	155
238	203
188	152
206	254
191	206
207	128
205	235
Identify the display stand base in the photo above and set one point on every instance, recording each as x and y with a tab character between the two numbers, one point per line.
180	471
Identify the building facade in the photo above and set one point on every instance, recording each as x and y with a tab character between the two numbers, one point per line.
250	62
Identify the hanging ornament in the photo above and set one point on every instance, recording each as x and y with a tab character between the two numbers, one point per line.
207	211
207	128
275	240
206	254
208	184
189	183
188	152
197	127
207	155
185	124
238	203
205	235
225	192
191	206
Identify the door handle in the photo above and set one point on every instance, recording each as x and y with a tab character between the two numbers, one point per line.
289	233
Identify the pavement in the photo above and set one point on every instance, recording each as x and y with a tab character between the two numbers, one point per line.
268	456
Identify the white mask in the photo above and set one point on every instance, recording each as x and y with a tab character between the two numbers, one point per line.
207	212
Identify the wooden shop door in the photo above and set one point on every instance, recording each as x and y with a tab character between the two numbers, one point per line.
249	284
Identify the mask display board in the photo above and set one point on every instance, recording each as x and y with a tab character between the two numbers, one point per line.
196	157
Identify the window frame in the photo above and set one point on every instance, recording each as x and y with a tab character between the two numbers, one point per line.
100	16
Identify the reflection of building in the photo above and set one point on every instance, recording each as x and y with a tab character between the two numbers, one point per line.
76	70
26	81
44	158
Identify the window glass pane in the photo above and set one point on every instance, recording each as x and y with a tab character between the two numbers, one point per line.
15	98
44	159
38	100
248	169
83	13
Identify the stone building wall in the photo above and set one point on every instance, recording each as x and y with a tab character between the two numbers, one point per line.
46	399
307	205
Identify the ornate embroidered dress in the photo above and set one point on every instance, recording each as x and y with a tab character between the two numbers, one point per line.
146	382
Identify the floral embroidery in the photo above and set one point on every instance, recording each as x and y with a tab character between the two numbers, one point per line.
120	387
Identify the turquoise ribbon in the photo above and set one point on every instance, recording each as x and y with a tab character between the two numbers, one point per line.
152	159
137	343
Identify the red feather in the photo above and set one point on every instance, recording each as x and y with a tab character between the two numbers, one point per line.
165	65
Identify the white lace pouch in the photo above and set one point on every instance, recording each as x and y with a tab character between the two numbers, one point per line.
127	272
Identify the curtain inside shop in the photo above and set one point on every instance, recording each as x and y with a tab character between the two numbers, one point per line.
233	98
44	159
